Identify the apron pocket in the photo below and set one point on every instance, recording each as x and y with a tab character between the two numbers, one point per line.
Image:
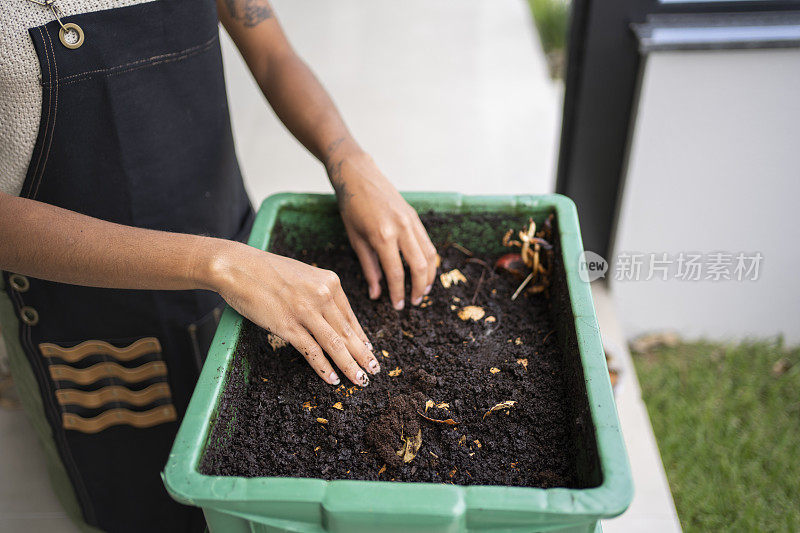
99	384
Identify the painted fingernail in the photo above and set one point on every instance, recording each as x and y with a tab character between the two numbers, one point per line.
428	289
374	366
373	293
369	346
399	305
334	379
417	301
362	378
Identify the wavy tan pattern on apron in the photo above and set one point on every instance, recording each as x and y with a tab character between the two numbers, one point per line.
100	385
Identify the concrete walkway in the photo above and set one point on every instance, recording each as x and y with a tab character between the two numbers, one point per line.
446	95
652	509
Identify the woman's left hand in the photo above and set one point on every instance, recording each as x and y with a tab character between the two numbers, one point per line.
381	226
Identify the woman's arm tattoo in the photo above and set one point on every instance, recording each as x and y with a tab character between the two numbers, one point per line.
250	12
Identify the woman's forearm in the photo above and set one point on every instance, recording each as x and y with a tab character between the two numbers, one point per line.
47	242
306	109
295	94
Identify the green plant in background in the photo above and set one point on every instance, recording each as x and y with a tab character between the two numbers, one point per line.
727	420
551	18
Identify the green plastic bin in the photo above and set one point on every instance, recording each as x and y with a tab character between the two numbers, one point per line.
268	504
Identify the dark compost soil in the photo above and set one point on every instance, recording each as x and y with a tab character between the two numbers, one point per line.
279	419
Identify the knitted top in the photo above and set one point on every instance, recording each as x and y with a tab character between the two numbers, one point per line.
20	90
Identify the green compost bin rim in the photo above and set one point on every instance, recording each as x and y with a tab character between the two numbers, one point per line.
236	495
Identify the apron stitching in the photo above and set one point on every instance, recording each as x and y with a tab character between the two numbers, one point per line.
159	62
55	114
150	64
47	119
141	63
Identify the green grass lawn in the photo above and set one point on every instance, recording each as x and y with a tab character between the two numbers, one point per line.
727	420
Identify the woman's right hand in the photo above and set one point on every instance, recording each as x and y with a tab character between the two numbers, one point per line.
302	304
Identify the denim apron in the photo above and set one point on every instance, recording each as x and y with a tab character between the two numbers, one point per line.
134	130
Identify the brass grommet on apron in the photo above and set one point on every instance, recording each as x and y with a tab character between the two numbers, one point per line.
29	315
18	282
62	35
65	28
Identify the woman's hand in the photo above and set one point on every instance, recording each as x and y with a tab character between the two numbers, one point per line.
303	305
381	225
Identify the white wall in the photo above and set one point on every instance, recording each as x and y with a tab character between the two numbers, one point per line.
445	95
715	166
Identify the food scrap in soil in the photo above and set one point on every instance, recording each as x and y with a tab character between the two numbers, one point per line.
471	312
538	258
473	401
508	404
454	277
448	421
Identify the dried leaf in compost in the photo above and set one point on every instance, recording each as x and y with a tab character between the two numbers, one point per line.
428	405
339	406
322	420
523	362
396	372
494	370
502	405
411	446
